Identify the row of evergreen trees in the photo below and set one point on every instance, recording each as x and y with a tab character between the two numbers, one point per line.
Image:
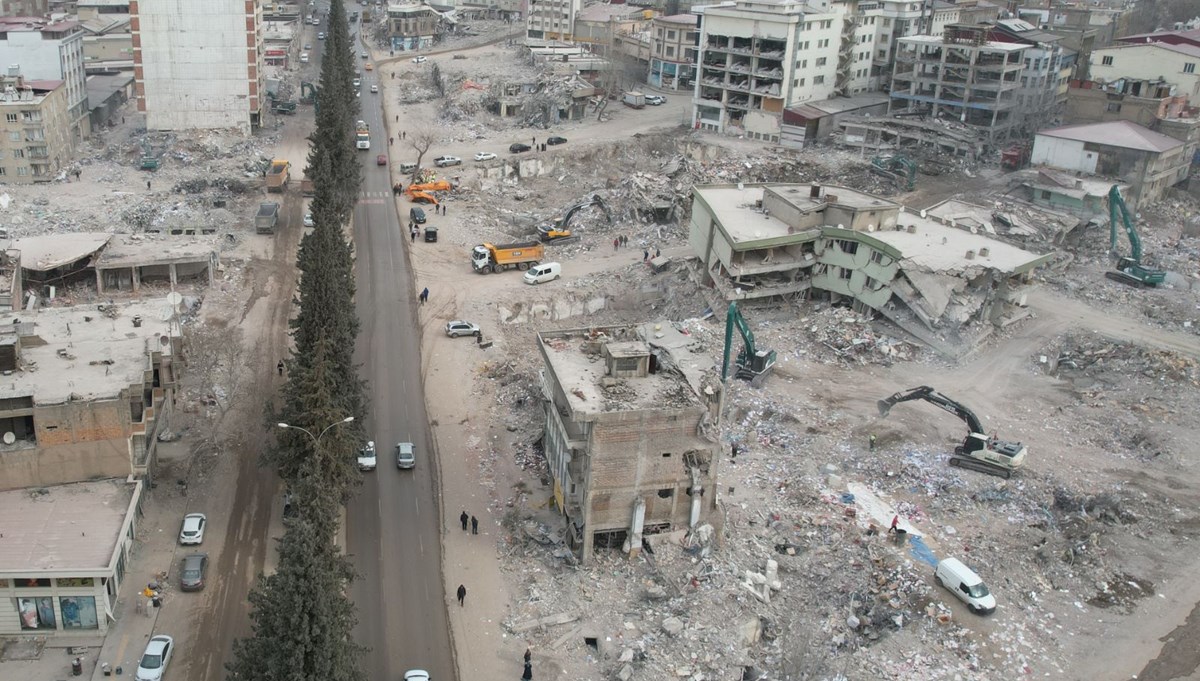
302	616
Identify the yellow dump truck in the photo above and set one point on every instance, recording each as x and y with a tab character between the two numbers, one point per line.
277	176
487	258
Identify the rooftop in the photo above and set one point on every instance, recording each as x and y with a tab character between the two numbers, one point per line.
689	19
575	357
66	527
940	41
1184	49
937	247
126	250
1123	134
736	212
50	251
607	12
86	352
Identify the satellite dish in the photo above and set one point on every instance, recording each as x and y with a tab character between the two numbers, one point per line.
174	298
10	437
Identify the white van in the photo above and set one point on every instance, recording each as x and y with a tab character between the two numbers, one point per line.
547	271
964	583
303	57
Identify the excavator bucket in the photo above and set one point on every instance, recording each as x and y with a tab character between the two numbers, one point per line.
884	407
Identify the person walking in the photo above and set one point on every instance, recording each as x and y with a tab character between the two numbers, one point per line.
527	675
528	656
645	255
147	185
474	525
657	252
462	594
412	231
895	522
616	243
279	367
425	299
464	518
403	133
533	143
871	442
733	450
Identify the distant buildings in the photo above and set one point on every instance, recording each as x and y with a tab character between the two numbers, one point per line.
44	50
35	130
199	66
1178	64
412	26
551	19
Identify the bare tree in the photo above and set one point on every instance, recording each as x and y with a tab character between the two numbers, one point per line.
421	143
217	376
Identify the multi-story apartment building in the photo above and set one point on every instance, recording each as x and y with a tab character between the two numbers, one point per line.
24	8
50	50
107	42
551	19
961	76
412	26
755	58
673	52
199	65
1178	64
35	129
1081	29
1042	91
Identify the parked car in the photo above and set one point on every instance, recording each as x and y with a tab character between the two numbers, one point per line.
484	156
356	82
518	148
155	659
656	100
419	59
556	140
320	36
962	581
307	47
405	457
191	571
374	88
363	55
459	327
445	161
308	220
416	675
381	160
547	271
192	531
366	457
416	215
303	57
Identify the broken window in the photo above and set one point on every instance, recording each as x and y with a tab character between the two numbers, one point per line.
666	493
845	273
847	246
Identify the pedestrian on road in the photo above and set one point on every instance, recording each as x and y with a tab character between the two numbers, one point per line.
645	255
474	525
425	299
657	252
147	185
122	120
616	243
403	134
413	233
78	173
528	656
279	367
733	450
397	118
462	594
464	517
624	241
533	143
527	675
871	442
895	522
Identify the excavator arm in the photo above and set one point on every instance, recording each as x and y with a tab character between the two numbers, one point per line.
752	364
935	398
1118	209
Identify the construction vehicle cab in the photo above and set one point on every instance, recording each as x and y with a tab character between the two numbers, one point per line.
561	228
752	364
979	451
1129	269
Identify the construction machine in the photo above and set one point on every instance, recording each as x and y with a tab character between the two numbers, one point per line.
751	364
561	229
1129	270
898	168
978	452
434	186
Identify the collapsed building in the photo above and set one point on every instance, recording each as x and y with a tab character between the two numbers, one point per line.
629	433
942	282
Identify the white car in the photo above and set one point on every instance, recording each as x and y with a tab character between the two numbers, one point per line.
419	59
416	675
484	156
374	88
154	660
192	531
320	36
308	220
446	161
405	456
459	327
656	100
366	457
356	82
307	47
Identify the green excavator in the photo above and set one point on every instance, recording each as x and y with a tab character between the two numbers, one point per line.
752	364
1129	269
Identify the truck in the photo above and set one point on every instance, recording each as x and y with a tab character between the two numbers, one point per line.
634	100
285	107
487	258
307	187
267	218
362	135
277	176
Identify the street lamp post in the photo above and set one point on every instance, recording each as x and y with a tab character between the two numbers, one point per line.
316	438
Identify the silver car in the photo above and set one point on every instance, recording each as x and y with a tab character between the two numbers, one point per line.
154	660
192	531
405	456
459	327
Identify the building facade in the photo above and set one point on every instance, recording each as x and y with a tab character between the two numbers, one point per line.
1137	101
50	51
624	436
1176	64
35	140
673	52
551	19
412	27
199	66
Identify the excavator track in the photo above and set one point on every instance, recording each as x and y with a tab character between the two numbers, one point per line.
980	466
1128	279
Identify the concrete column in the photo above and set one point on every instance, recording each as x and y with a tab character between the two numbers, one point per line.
99	280
137	278
174	274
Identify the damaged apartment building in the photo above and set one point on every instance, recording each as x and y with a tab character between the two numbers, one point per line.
629	433
945	281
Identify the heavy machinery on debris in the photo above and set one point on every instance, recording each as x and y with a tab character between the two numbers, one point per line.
487	258
421	192
978	452
1129	270
277	175
560	229
898	168
752	364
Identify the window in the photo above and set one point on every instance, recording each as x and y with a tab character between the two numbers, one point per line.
1107	61
845	273
22	171
3	171
872	285
78	612
36	613
12	117
804	45
846	246
823	43
818	80
1189	67
670	50
670	35
821	61
666	493
800	83
14	136
877	257
1113	107
31	583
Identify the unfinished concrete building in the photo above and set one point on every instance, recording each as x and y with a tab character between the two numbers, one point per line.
629	412
87	390
961	76
946	284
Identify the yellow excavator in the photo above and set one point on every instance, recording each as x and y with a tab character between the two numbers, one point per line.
420	192
561	229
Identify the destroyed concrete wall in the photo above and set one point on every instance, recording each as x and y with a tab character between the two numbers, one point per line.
75	441
850	265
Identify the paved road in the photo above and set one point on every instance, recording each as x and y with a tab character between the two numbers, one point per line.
393	528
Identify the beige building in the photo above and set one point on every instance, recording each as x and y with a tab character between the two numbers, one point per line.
1138	101
552	19
412	26
35	142
673	51
1176	64
629	413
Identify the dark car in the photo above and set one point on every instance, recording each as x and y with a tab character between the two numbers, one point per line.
518	148
556	140
191	571
416	215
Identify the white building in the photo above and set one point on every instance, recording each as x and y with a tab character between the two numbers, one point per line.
673	52
199	65
50	51
1176	64
551	19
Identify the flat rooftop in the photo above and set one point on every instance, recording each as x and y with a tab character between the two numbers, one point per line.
65	527
85	352
126	250
800	196
49	251
941	248
576	360
735	211
940	41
